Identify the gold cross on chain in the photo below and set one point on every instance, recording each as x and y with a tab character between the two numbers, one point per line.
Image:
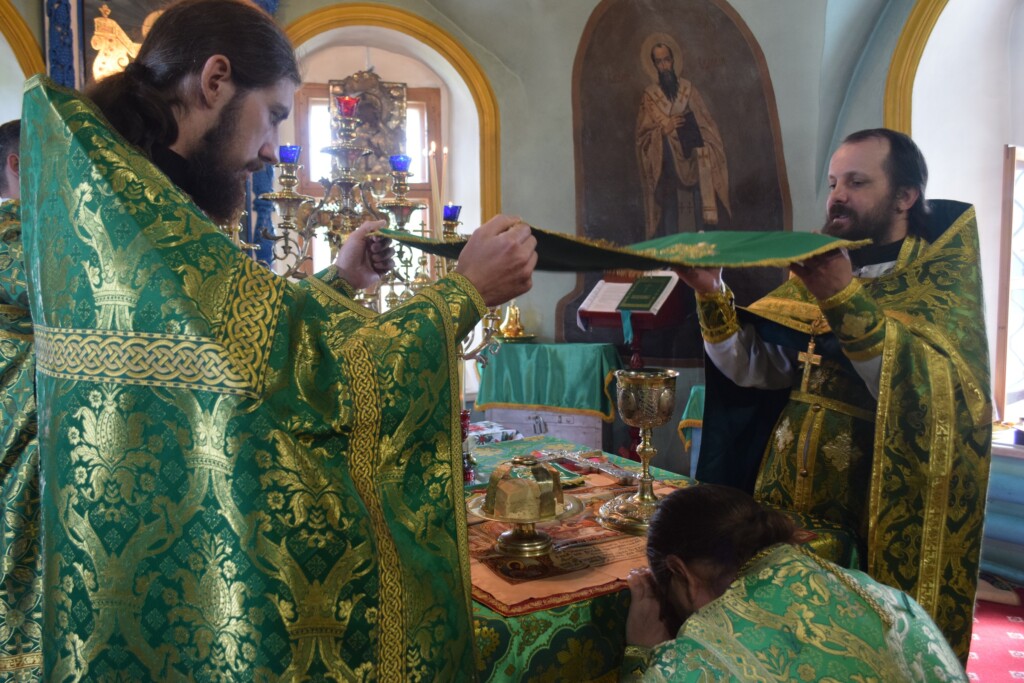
808	358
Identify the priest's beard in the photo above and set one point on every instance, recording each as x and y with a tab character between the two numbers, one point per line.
874	224
217	187
669	83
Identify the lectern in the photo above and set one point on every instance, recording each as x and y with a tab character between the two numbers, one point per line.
654	301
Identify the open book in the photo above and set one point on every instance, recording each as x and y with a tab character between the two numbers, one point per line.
646	294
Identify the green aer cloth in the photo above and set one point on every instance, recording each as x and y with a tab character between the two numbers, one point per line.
735	249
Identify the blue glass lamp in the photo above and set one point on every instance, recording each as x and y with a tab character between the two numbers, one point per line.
400	162
451	212
289	154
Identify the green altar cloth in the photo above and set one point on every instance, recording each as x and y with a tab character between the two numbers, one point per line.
561	252
570	378
693	414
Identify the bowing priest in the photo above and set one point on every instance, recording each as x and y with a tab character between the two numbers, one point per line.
732	599
244	478
858	391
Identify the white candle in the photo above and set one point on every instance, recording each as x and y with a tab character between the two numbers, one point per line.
444	171
435	193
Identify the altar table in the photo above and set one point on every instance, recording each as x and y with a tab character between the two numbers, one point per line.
557	389
569	378
550	624
569	630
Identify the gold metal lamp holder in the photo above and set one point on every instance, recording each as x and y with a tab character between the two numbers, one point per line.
645	399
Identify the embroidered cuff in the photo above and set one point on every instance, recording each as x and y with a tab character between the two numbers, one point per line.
856	320
330	277
717	314
842	296
471	291
635	662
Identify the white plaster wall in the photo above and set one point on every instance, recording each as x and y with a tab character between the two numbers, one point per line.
962	119
11	81
1017	76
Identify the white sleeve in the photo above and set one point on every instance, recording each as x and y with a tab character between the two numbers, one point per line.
750	362
870	371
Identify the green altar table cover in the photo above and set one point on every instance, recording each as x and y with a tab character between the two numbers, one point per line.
693	414
561	252
570	378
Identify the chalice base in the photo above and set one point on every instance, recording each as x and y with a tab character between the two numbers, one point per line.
523	540
629	513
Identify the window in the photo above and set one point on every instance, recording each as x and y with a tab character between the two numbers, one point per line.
1008	373
312	131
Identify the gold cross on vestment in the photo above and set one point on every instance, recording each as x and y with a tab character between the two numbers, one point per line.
808	358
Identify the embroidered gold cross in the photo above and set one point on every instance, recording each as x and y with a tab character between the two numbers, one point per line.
808	358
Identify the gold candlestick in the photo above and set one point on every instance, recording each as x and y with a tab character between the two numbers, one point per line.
290	241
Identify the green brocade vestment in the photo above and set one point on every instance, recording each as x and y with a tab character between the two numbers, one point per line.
907	473
244	479
792	617
20	592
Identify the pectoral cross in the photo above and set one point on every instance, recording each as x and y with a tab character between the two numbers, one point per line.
808	358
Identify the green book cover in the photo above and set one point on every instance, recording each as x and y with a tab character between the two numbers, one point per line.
644	293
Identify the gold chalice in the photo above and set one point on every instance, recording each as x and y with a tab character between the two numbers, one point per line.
523	492
646	399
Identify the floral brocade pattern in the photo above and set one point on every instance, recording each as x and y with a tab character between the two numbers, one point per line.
280	506
20	560
582	641
789	618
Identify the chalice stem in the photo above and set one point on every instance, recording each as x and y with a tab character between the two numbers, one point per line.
645	490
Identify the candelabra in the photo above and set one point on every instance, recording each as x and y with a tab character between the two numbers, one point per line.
291	243
352	196
349	197
233	231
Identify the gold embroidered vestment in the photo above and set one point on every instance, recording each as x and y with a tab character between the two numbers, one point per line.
908	472
245	479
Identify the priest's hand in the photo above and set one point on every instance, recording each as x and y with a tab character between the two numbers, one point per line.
825	275
644	625
702	280
364	256
499	259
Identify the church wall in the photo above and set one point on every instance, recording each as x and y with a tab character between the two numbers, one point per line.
1017	76
962	119
11	79
527	50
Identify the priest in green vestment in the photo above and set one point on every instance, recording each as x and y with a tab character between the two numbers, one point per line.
20	594
20	588
858	392
754	607
243	478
